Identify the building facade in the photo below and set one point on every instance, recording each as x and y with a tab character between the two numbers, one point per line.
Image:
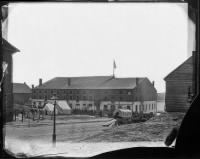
178	85
99	93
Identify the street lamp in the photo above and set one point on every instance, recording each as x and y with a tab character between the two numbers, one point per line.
54	120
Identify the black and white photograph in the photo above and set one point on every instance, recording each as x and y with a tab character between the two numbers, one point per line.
81	79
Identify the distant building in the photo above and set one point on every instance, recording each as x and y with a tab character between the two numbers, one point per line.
99	93
8	50
160	102
178	85
21	93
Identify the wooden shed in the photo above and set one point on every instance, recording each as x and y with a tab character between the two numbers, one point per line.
178	84
8	50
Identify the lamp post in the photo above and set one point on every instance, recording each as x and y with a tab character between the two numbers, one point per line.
54	120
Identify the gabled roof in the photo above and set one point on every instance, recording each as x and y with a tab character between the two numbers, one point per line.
189	60
91	82
8	48
21	88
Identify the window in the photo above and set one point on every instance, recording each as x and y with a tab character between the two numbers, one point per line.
112	107
90	97
90	106
128	107
77	106
129	93
45	97
70	97
105	108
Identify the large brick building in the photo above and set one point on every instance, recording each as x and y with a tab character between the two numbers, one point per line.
99	93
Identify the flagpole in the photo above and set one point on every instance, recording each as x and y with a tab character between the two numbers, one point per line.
113	71
114	67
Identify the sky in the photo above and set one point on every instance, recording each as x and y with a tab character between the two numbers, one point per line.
82	39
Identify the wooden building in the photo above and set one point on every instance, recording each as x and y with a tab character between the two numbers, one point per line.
178	86
21	93
99	93
8	51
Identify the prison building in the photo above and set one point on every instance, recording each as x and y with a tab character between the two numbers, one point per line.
21	93
7	88
178	85
99	93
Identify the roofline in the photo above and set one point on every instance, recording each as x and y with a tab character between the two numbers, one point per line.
37	86
177	68
111	77
10	47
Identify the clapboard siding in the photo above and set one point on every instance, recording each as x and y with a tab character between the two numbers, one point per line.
177	84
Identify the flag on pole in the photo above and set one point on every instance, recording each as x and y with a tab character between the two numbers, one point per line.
114	67
114	64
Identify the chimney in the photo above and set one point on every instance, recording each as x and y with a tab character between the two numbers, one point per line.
137	81
69	81
32	86
25	83
40	81
153	83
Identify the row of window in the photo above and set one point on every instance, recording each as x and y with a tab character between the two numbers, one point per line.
126	92
77	98
137	107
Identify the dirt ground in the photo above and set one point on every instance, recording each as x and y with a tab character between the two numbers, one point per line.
88	129
155	129
81	137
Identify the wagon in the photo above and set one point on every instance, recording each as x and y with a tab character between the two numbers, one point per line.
123	116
